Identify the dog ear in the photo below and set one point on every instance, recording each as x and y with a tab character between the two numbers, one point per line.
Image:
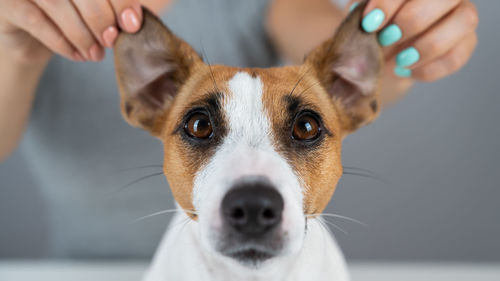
151	65
348	66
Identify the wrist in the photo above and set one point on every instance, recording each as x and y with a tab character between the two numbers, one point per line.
24	62
21	67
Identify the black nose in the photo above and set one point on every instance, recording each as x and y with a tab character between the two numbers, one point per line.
252	209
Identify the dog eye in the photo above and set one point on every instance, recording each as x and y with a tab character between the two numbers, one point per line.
306	128
199	126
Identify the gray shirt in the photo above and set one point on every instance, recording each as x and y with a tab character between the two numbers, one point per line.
83	156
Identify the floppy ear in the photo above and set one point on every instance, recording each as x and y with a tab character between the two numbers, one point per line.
151	66
348	67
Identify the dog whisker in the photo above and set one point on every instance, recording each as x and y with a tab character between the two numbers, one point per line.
324	233
186	222
139	168
209	67
163	212
359	170
155	214
300	79
355	171
311	86
373	177
337	216
141	179
334	226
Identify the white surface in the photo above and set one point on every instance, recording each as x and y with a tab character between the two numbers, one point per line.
130	271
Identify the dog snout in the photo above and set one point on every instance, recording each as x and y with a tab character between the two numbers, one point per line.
252	209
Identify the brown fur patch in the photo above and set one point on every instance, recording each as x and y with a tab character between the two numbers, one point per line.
319	168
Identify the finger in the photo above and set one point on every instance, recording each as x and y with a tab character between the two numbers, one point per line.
66	17
414	18
100	19
33	20
441	38
391	70
448	64
378	13
128	13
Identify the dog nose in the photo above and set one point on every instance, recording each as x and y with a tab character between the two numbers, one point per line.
252	209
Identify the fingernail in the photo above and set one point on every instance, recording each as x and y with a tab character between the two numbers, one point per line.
96	52
407	57
373	20
402	72
353	6
390	35
109	36
130	20
77	56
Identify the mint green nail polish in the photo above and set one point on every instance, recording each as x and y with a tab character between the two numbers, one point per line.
390	35
407	57
373	20
402	72
353	6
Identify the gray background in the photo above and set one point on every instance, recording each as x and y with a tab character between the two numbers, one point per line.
436	152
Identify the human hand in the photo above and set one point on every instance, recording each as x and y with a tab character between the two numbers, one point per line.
31	30
425	40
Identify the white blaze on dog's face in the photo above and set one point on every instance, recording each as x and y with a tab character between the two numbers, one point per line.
249	152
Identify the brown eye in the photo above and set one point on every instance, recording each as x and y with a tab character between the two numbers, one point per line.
306	128
199	126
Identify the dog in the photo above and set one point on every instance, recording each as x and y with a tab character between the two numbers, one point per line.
252	155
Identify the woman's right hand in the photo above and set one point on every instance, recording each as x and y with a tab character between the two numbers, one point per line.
32	30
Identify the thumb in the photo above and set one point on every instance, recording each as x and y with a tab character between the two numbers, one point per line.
129	14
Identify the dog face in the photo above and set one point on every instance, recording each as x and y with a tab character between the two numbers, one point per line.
249	152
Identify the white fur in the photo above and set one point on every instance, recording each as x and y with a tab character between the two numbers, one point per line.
181	258
188	250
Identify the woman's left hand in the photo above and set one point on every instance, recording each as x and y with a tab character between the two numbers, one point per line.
424	40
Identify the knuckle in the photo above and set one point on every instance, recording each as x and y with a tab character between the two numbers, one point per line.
60	45
33	16
94	17
454	61
410	12
402	19
83	40
99	21
407	19
471	17
434	46
417	26
427	75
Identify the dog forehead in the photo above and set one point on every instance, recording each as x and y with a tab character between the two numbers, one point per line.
256	99
244	108
253	93
245	88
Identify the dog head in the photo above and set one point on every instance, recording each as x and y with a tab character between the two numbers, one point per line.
248	153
